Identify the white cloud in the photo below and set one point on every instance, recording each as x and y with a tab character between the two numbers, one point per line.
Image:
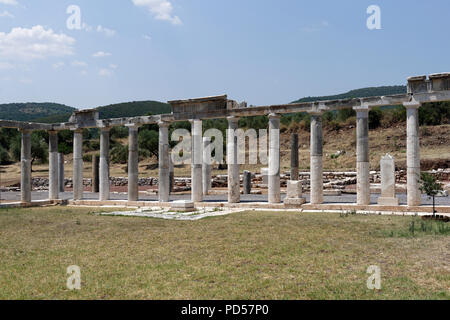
58	65
147	37
160	9
6	66
6	14
105	73
107	32
101	54
10	2
77	63
34	43
84	73
113	66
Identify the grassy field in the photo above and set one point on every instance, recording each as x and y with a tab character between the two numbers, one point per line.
252	255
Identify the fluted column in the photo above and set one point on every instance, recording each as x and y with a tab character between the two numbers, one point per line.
234	193
164	162
274	159
78	165
413	154
133	163
104	188
362	155
197	161
53	187
316	159
25	165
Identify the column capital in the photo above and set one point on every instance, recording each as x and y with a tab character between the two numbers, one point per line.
105	128
315	113
163	123
77	130
412	105
233	119
52	132
25	130
133	126
362	108
274	116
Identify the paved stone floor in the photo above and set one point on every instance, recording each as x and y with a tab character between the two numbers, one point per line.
345	198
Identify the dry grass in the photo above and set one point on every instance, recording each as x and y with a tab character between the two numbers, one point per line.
253	255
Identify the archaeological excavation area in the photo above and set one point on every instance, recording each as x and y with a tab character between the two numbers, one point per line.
376	192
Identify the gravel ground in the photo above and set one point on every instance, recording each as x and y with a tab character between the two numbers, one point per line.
345	198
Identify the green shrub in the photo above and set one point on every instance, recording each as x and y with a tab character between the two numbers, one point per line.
119	154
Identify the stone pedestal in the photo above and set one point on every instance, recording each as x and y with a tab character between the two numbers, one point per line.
247	182
316	159
362	156
53	184
25	167
294	157
294	194
197	161
234	193
78	165
413	154
164	163
104	186
206	169
133	163
274	159
387	198
182	206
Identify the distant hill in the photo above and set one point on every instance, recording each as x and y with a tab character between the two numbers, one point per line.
133	109
120	110
359	93
32	111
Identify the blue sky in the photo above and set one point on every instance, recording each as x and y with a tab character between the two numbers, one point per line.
259	51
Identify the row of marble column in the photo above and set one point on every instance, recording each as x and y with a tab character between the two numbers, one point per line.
198	184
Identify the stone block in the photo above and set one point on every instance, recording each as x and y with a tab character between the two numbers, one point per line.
182	206
294	189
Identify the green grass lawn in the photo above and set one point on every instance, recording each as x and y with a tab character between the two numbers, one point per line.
253	255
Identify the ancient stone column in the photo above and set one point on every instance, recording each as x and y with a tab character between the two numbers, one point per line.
164	162
95	174
247	182
206	166
25	168
133	163
387	198
294	157
362	156
61	181
172	173
78	165
104	175
53	181
316	159
274	159
234	193
413	154
197	161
